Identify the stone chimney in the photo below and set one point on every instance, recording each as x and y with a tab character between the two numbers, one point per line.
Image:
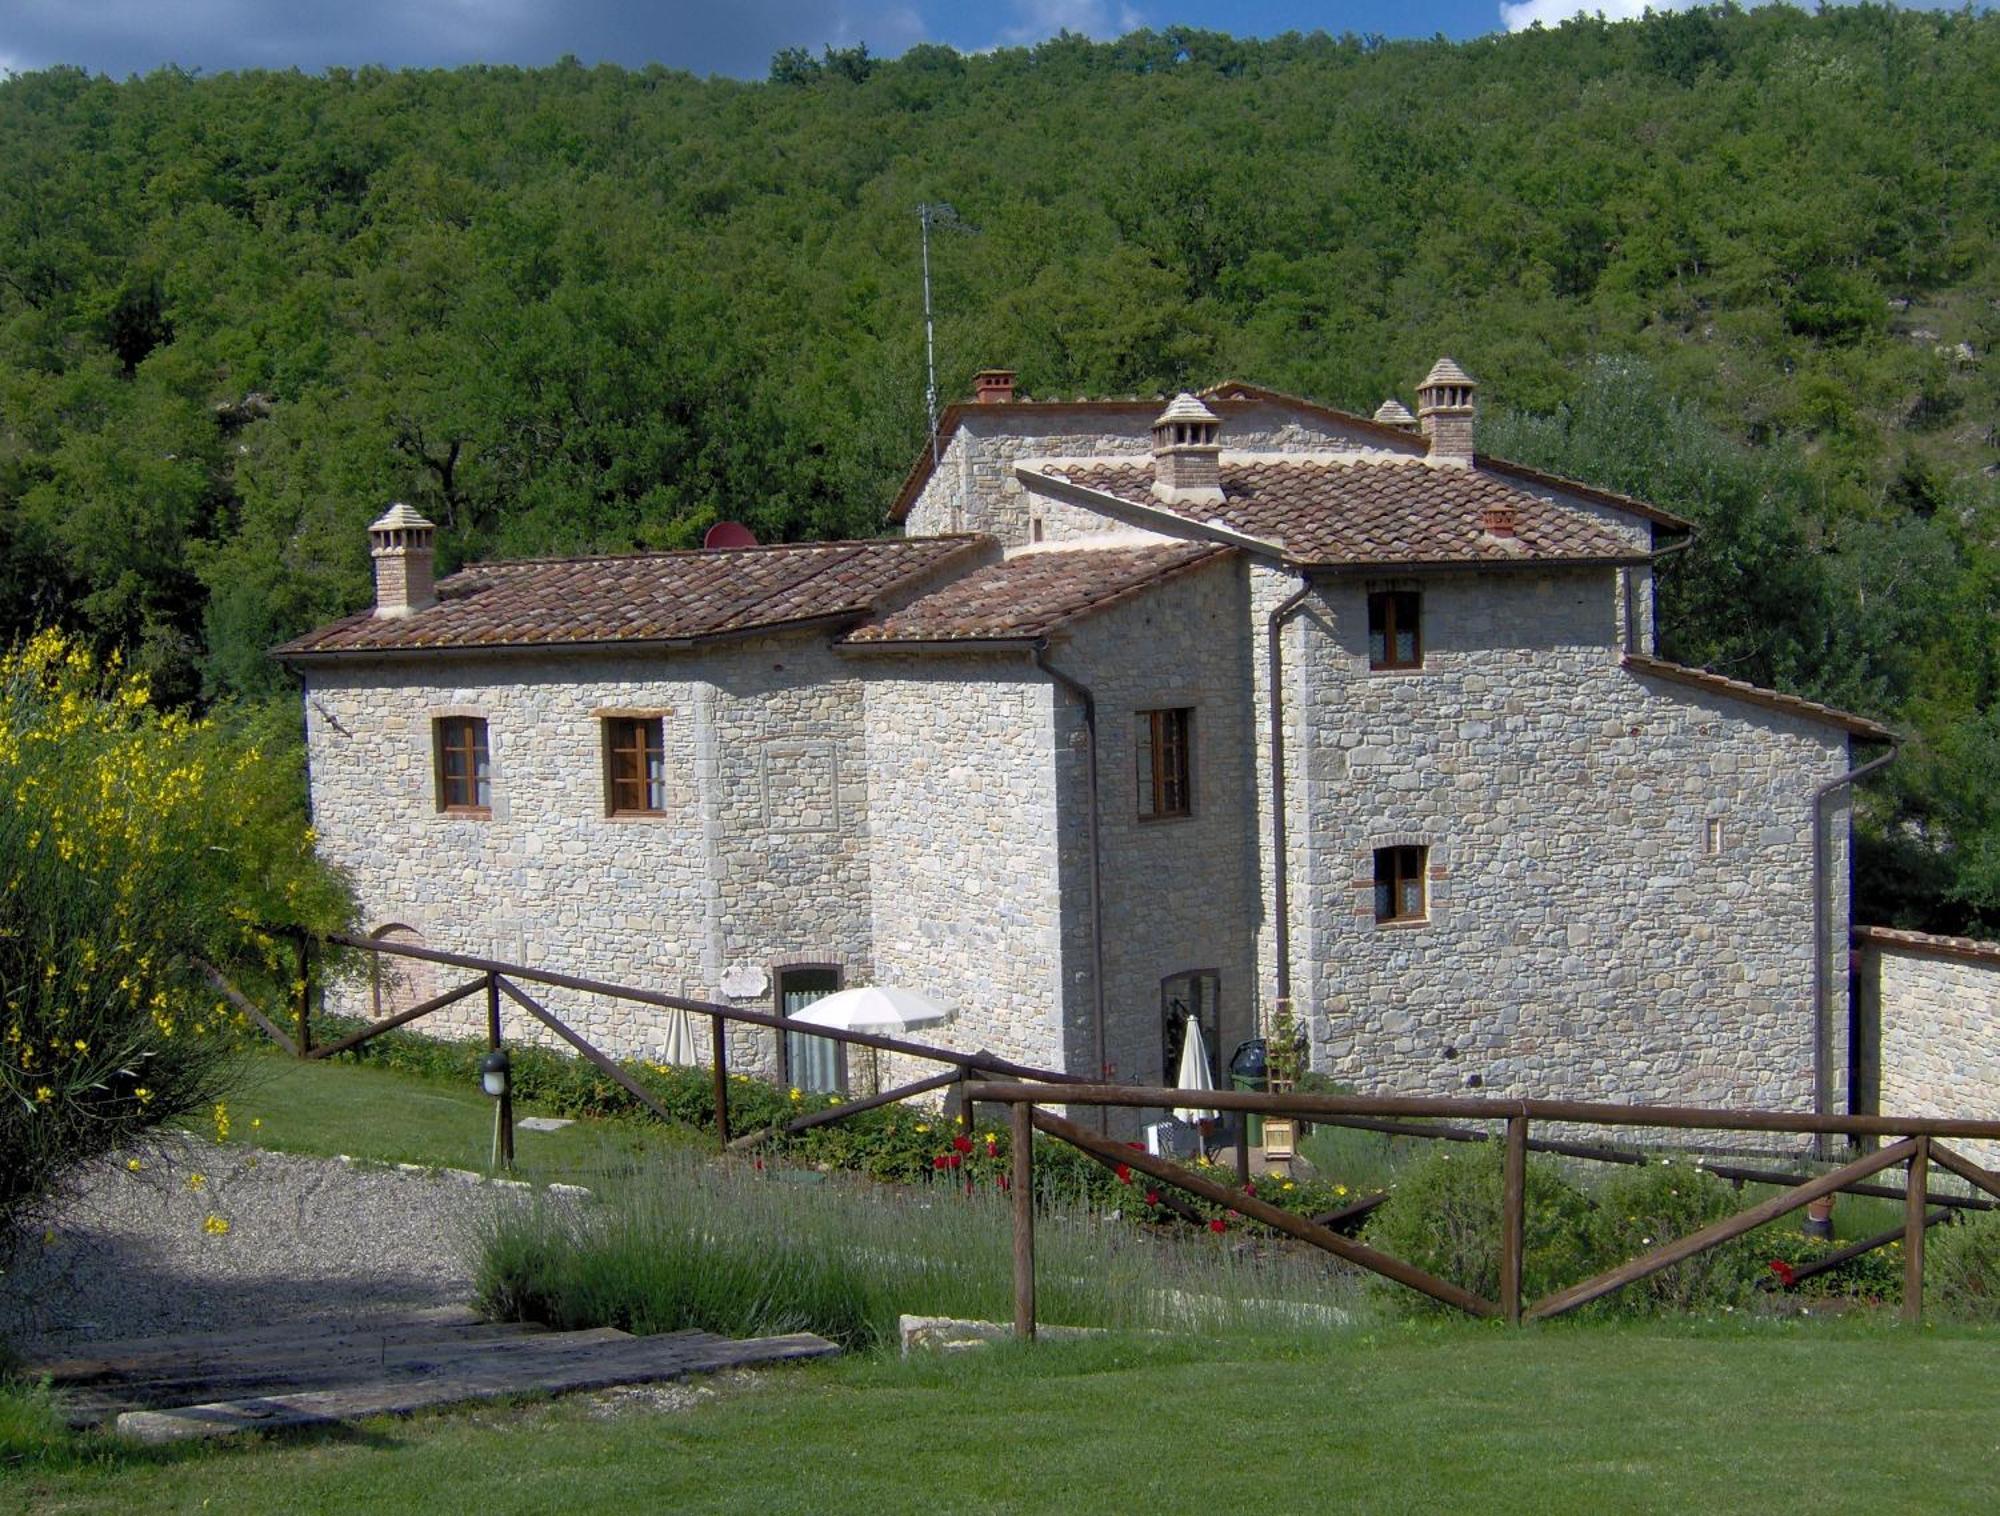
1393	412
1445	411
1187	460
993	386
400	544
1496	519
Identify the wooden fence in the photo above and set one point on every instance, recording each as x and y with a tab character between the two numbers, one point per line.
501	983
1914	1146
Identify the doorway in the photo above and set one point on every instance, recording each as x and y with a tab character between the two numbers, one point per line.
815	1065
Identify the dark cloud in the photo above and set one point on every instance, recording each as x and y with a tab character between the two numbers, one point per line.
121	37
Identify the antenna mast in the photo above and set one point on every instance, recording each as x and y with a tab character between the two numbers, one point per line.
941	214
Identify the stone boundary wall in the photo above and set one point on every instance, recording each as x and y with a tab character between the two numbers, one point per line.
1930	1007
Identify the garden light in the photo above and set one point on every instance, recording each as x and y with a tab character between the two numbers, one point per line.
493	1071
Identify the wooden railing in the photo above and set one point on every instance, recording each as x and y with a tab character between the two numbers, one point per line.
502	983
1914	1147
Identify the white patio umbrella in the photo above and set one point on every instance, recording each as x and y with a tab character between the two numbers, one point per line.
874	1008
679	1045
1193	1074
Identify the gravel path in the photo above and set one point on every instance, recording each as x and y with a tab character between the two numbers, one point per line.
136	1253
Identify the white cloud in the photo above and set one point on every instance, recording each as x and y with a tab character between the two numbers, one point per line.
1093	18
1518	15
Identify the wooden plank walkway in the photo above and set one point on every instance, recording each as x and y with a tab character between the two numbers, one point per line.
162	1389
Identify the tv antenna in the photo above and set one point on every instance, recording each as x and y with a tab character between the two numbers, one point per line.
930	213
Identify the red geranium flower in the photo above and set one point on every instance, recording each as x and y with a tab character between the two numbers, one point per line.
962	1142
1152	1197
938	1162
1218	1225
1001	1180
1787	1275
953	1159
1249	1186
992	1150
1124	1173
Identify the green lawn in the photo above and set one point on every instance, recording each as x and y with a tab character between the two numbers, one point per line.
336	1107
1780	1416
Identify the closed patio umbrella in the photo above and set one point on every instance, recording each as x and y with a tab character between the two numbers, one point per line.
679	1045
1194	1074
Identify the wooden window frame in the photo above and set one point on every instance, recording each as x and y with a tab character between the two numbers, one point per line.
651	733
479	753
1169	753
1387	610
1405	862
778	973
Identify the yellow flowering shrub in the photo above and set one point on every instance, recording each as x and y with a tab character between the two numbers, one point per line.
133	842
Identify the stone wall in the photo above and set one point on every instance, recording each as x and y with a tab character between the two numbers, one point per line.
1582	939
1179	893
965	887
1935	1007
759	859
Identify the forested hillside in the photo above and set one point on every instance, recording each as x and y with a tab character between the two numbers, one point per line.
1745	264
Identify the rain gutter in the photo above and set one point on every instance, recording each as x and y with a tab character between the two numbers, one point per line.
1089	701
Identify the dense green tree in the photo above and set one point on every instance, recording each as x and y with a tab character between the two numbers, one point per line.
1743	261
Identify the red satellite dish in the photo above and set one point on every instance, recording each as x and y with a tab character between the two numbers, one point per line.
729	534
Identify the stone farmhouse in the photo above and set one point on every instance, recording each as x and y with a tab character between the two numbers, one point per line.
1242	704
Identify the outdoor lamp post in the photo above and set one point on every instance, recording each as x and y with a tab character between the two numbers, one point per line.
494	1077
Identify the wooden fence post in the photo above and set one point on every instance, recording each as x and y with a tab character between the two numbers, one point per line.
1513	1218
503	1114
1914	1205
1021	1133
304	1008
720	1035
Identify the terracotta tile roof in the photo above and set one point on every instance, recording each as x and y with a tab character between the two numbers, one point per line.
1034	593
1791	705
648	597
1971	949
1371	511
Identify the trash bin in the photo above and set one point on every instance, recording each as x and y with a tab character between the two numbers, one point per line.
1250	1069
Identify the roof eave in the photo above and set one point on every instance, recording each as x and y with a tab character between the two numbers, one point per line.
1750	694
1009	644
1414	566
602	646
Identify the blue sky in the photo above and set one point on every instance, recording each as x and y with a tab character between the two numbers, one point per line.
120	37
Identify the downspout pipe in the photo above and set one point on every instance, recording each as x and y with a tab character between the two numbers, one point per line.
1281	891
1632	596
1088	700
1822	1011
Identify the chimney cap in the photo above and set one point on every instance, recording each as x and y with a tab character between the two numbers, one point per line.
993	385
1393	412
1186	408
1444	371
401	518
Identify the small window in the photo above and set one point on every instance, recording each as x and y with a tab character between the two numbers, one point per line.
1399	883
1713	840
1035	530
635	766
1395	637
1162	745
464	773
1192	997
